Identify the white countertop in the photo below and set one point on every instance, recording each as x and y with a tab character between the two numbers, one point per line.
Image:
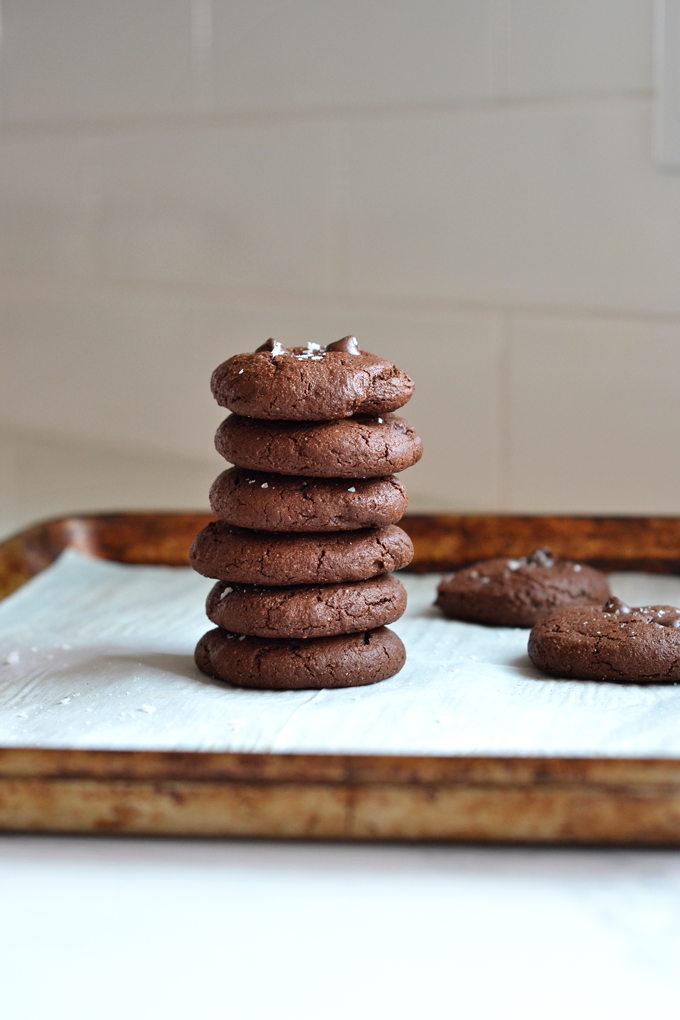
104	929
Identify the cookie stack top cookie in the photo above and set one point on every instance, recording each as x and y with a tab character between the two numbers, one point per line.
311	383
307	533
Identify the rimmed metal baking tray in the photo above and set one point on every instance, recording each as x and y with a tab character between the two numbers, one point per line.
544	800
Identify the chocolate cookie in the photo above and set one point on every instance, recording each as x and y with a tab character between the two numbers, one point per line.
252	499
348	660
312	383
360	447
277	558
308	611
615	643
519	592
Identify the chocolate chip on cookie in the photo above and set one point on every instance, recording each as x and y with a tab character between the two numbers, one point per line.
311	383
280	558
362	447
509	592
265	501
307	611
638	645
348	660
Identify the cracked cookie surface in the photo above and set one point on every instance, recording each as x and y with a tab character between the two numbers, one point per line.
309	611
361	447
309	384
519	592
348	660
638	645
228	553
269	502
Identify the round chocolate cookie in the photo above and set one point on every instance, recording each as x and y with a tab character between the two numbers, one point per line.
519	592
615	643
348	660
360	447
309	611
252	499
310	383
277	558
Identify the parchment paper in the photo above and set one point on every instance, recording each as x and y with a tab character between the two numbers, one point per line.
99	655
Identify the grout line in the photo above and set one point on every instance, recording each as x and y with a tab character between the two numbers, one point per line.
216	119
91	172
338	171
500	47
79	287
20	432
201	55
505	418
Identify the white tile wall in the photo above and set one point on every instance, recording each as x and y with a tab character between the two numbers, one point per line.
577	46
83	59
543	206
237	207
45	210
595	416
133	371
271	55
465	184
54	475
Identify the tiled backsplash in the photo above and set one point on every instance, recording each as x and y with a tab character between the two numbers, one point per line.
466	185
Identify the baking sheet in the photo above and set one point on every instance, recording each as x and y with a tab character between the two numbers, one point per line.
96	654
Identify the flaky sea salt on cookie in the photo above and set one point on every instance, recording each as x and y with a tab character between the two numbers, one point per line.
280	558
311	383
361	447
616	642
348	660
306	611
269	502
517	592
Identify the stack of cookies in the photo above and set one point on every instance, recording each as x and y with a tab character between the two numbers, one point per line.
306	536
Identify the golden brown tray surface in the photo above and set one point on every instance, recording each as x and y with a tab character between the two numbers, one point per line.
546	800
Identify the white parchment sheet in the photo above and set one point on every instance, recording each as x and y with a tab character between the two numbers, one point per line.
99	655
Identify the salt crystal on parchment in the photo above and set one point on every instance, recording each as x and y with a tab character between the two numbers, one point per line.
12	659
148	708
